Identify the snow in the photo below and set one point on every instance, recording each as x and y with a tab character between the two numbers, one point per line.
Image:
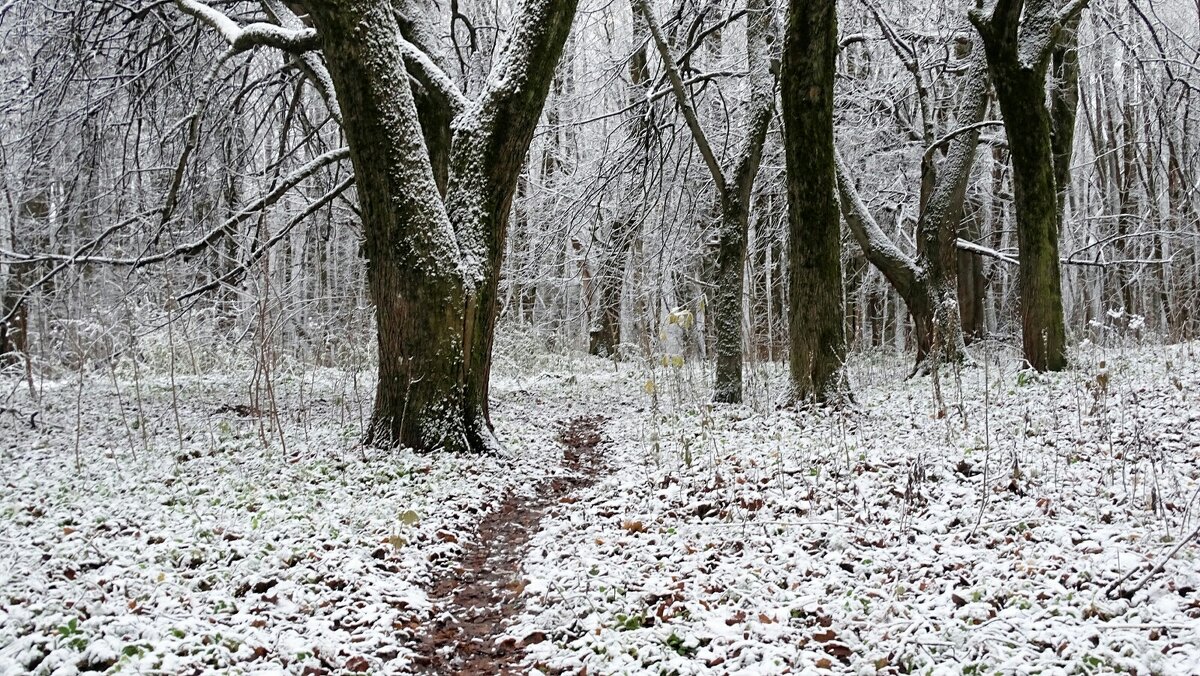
219	552
893	538
978	534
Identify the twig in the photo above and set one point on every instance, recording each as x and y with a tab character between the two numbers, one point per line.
1130	593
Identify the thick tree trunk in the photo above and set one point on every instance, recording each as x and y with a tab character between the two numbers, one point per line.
1019	37
434	266
413	268
727	299
816	323
937	227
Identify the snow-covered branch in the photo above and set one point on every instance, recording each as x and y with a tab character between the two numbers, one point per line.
195	246
261	249
260	34
899	268
312	64
681	96
432	77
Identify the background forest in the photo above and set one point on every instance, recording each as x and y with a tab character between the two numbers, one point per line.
152	176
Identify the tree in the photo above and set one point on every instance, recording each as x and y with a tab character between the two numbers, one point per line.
604	333
817	320
433	261
734	182
928	282
1019	37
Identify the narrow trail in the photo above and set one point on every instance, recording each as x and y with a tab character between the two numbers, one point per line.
476	599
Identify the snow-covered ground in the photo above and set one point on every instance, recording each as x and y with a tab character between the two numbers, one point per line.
974	536
158	529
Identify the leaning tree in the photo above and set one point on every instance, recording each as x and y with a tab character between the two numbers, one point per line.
435	172
928	281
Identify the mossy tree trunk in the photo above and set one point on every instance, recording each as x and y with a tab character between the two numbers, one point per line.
434	263
817	319
928	281
1019	37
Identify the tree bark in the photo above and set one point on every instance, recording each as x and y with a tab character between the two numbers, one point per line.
928	283
434	265
488	153
412	257
1019	37
734	185
816	323
937	227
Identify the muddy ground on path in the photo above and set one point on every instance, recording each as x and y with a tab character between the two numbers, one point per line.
476	598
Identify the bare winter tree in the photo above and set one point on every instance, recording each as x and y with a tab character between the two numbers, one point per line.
928	281
734	181
433	260
604	334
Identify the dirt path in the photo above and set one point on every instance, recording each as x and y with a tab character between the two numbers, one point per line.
477	599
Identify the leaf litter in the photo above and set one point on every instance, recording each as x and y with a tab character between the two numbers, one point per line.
1020	524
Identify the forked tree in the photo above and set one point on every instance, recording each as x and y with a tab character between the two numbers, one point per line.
928	281
435	174
1020	37
734	180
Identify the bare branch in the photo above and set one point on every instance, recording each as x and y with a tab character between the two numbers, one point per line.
259	251
184	250
681	97
900	269
259	34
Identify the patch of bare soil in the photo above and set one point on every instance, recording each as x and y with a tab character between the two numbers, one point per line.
482	594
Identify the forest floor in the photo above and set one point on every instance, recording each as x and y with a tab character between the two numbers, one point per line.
986	521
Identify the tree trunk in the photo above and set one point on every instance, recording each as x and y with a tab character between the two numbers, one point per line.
734	185
412	256
485	163
604	336
1019	37
433	266
1064	103
937	227
816	323
727	299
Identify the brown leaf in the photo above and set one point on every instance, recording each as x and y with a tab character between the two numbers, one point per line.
535	637
825	636
634	526
357	664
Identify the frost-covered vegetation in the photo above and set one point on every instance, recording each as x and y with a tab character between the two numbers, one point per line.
1001	521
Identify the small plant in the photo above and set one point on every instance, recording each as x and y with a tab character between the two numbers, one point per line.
72	634
680	646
